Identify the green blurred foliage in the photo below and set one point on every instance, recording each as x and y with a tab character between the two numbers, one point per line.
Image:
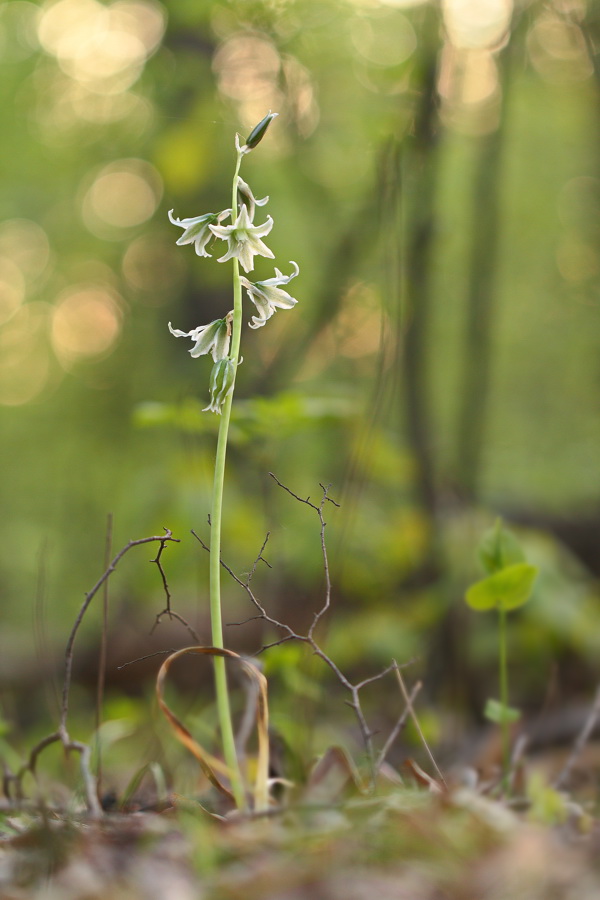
114	113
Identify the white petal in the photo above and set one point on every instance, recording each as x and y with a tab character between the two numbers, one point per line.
179	333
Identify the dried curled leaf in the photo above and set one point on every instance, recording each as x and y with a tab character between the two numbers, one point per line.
209	764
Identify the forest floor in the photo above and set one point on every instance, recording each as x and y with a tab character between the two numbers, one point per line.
408	841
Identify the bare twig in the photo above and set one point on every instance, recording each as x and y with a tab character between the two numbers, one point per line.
173	615
398	727
61	734
168	611
147	656
88	599
289	634
259	558
157	560
413	716
582	739
103	650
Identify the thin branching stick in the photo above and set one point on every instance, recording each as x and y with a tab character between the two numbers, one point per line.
61	734
101	680
289	634
413	715
398	727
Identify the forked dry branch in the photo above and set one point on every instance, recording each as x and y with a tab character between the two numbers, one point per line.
375	762
14	782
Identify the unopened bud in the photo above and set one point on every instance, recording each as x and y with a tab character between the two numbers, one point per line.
259	131
222	379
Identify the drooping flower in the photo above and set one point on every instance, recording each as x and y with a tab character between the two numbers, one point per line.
213	338
222	379
244	239
267	296
197	230
248	199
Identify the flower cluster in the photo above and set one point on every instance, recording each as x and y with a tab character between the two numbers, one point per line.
244	242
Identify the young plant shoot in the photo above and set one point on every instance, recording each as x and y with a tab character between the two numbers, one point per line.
508	585
221	339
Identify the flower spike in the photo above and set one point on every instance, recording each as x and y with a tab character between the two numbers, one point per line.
267	296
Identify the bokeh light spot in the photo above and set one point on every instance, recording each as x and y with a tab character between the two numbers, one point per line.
86	323
247	69
385	42
477	23
102	47
153	266
123	194
26	244
12	288
557	49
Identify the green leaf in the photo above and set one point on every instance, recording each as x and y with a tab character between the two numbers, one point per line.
498	713
499	548
507	589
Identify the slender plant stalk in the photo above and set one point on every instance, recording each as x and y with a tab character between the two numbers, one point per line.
222	692
504	725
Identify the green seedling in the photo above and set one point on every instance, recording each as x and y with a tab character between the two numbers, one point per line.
508	586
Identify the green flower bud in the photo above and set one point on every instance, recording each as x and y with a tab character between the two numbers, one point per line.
222	379
259	131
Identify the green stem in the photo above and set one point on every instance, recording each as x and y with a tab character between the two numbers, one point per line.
221	688
504	699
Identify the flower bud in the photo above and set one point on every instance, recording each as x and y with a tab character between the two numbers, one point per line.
222	379
259	131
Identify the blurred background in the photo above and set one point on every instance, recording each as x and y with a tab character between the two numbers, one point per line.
435	172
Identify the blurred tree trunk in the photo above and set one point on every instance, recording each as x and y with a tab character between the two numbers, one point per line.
327	302
418	167
480	315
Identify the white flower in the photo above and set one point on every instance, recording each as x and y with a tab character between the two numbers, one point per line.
243	239
197	230
222	379
248	199
213	338
267	295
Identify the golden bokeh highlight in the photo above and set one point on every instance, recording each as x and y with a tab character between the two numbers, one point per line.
122	195
96	53
26	244
384	41
12	288
24	356
250	71
468	79
247	68
86	323
557	49
103	47
154	267
475	24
